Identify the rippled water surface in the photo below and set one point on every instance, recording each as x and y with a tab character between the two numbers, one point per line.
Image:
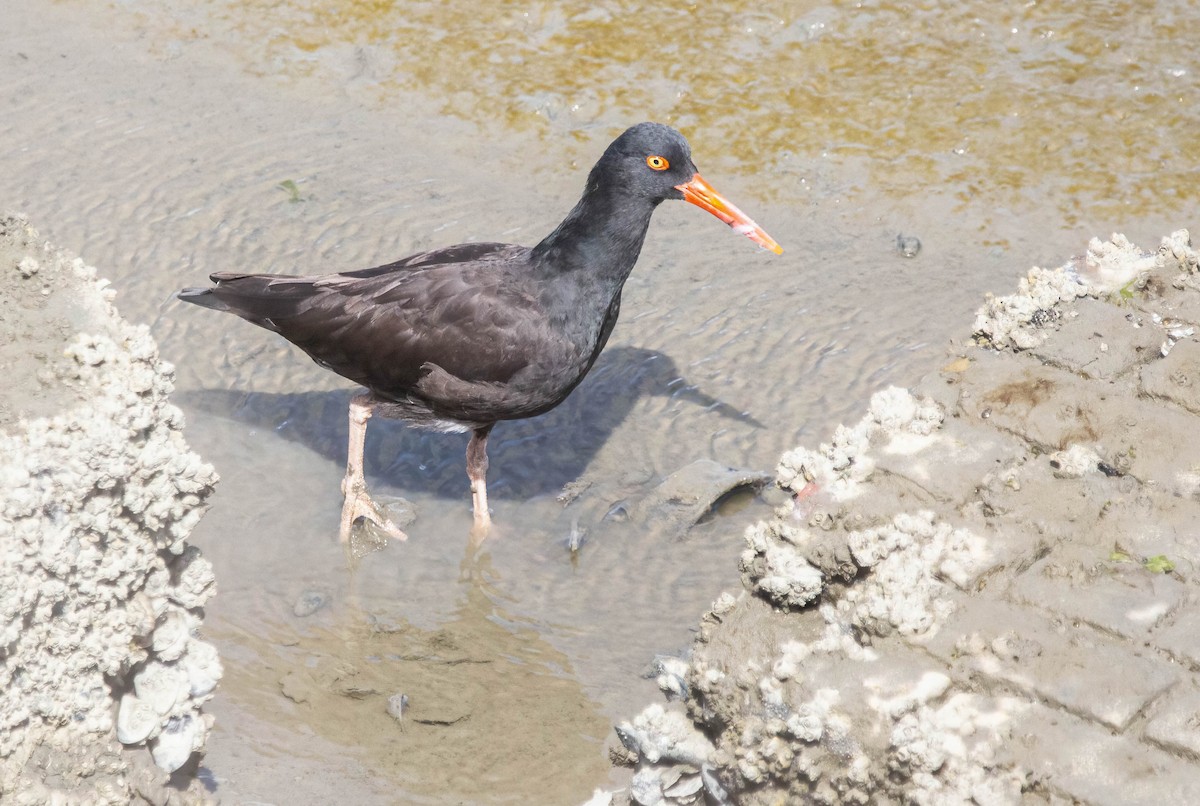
164	141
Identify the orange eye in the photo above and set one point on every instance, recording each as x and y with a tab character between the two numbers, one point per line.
657	163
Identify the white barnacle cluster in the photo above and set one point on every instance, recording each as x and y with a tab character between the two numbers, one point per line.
777	569
839	468
911	559
102	596
774	561
179	672
1113	264
1016	320
670	674
672	758
895	411
1074	462
659	734
896	729
796	735
1177	248
951	751
1176	252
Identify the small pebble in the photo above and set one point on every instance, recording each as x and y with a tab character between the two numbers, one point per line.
909	245
28	266
309	602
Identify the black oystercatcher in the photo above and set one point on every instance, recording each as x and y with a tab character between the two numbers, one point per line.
460	338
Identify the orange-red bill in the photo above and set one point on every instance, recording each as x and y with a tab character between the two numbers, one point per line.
705	196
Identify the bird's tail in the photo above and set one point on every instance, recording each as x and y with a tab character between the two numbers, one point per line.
263	299
204	297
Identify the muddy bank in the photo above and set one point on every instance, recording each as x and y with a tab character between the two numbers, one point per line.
984	591
103	675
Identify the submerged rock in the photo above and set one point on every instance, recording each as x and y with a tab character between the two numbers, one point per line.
690	493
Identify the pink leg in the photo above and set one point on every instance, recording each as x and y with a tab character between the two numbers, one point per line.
357	504
477	465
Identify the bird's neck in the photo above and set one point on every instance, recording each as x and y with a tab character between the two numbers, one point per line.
600	239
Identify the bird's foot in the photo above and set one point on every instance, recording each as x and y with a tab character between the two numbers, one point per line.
358	504
575	537
482	526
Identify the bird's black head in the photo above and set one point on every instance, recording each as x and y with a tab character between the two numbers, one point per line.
649	161
653	162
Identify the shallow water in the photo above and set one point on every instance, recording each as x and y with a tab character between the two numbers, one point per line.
154	139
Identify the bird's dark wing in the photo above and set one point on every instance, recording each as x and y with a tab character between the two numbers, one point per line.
460	253
429	317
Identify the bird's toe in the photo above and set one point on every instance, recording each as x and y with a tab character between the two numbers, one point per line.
359	506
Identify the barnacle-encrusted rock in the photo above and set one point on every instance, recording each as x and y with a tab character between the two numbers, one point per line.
1023	320
779	731
98	492
902	633
1017	321
840	466
784	576
660	734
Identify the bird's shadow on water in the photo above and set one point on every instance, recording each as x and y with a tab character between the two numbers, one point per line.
528	457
